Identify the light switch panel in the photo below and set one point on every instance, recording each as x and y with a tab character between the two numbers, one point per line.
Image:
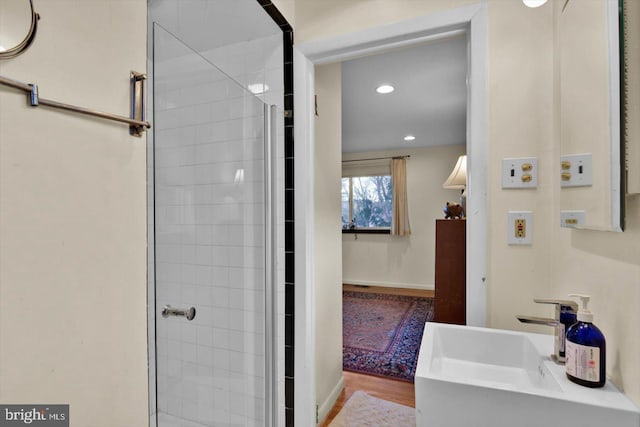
520	172
575	170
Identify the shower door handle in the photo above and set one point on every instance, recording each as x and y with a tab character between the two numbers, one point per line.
189	313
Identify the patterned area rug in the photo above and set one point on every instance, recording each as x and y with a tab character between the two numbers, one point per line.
363	410
382	333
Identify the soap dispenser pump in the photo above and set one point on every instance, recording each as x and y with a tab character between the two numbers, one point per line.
585	349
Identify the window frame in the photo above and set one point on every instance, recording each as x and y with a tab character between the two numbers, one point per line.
364	230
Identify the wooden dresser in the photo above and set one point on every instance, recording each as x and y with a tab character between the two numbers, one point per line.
451	271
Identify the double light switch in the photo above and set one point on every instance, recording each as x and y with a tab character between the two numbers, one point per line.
575	170
520	172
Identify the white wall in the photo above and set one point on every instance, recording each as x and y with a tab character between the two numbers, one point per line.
521	119
73	219
380	259
327	245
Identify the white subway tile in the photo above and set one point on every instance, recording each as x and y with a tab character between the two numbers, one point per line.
220	297
188	332
174	367
220	317
189	352
220	338
174	329
189	371
205	355
189	294
221	358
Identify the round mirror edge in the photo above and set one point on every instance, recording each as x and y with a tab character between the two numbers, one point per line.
24	44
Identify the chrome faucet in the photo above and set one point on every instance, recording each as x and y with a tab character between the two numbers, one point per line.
565	316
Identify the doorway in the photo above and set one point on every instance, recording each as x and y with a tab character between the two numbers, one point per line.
420	120
472	19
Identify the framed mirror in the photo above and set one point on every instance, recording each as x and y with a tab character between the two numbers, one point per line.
631	92
18	25
592	163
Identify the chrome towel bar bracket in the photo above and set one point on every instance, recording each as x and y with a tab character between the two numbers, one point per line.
137	124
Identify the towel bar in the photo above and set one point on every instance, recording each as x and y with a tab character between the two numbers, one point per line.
137	124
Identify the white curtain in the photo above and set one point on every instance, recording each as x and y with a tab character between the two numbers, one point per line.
400	222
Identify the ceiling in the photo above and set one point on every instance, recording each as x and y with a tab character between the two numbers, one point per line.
429	100
206	25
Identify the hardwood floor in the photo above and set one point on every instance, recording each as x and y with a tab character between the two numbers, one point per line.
401	392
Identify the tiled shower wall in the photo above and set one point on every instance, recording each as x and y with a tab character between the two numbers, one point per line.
259	60
209	240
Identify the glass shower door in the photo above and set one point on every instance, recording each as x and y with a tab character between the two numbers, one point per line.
211	260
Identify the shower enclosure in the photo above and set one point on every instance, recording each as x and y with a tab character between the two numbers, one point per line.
214	310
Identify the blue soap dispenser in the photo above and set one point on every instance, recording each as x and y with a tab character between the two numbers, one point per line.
585	349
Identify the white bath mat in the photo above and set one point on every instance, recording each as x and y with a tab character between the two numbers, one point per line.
362	410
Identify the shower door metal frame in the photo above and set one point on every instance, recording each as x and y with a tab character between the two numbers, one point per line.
271	278
270	163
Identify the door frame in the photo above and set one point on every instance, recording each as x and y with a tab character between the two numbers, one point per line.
472	19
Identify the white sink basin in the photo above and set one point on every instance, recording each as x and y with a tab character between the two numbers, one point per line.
478	377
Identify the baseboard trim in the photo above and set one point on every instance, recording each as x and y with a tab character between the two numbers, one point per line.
424	287
327	405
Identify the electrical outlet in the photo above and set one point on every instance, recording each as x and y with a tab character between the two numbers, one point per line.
520	172
520	227
575	170
572	219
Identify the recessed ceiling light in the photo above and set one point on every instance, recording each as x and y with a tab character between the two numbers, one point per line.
534	3
409	138
258	88
385	89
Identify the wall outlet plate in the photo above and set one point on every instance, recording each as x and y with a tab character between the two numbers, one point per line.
520	227
575	170
572	219
520	172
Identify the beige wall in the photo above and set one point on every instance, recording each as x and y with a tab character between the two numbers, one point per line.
319	19
288	10
606	266
522	120
375	259
584	97
73	219
327	245
521	98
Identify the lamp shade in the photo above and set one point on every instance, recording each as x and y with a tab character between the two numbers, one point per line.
534	3
458	178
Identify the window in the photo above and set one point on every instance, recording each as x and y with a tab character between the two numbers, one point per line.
367	203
